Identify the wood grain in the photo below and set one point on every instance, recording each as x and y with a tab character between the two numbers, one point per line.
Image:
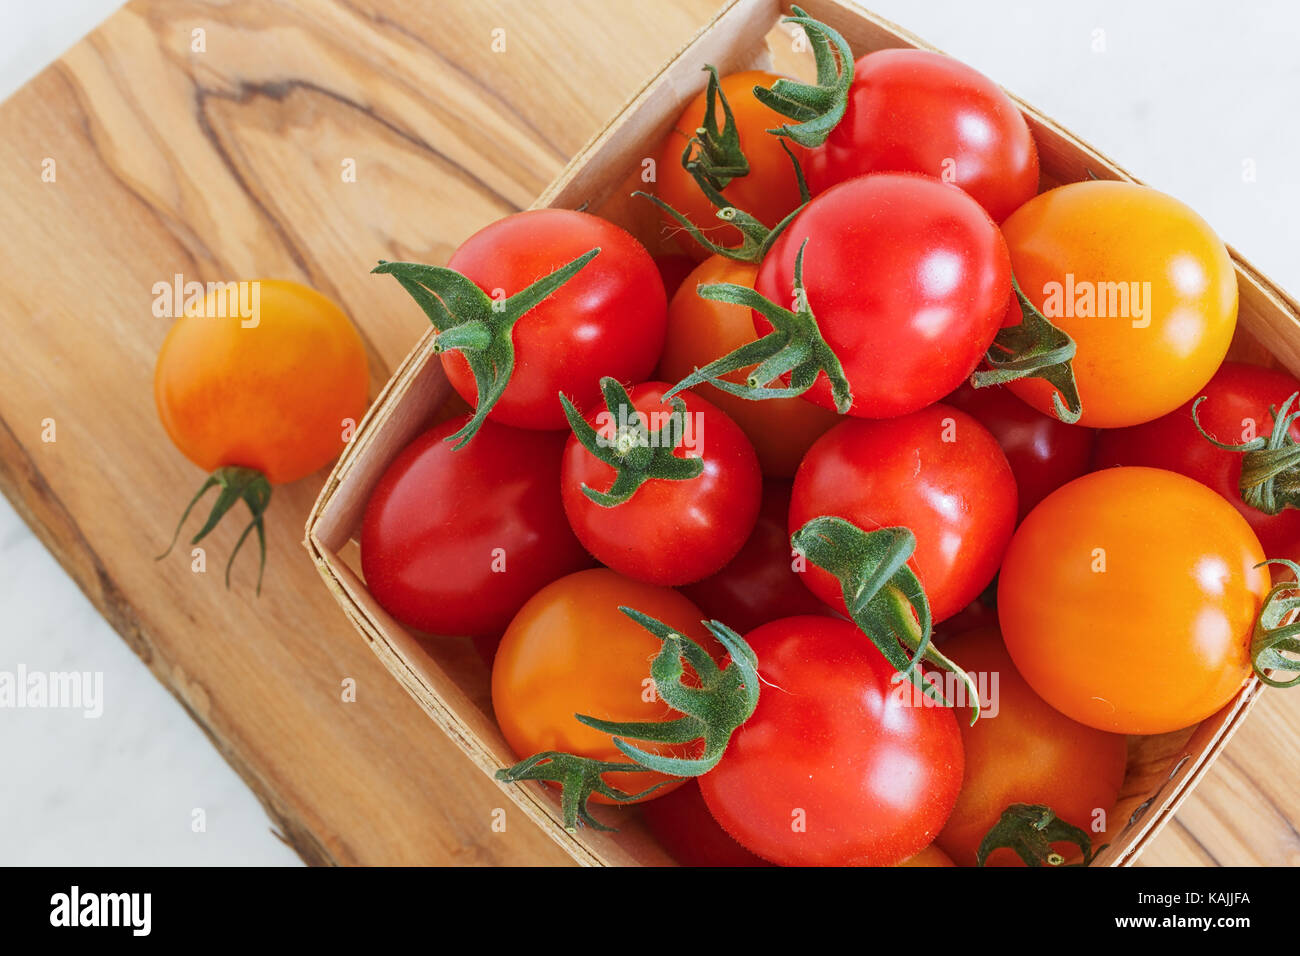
227	163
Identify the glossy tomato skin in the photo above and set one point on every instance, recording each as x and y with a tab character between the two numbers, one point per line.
608	319
668	532
1236	410
923	112
908	279
835	767
1043	451
929	857
699	331
769	192
1021	750
938	472
570	651
455	541
231	394
759	585
682	823
1130	367
1127	600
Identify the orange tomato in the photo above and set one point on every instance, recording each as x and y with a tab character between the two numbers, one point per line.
769	192
1021	750
570	650
699	331
1142	284
272	392
1127	599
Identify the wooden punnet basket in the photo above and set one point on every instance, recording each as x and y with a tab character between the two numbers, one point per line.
446	676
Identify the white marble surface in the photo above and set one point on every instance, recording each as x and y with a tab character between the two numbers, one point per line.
1183	94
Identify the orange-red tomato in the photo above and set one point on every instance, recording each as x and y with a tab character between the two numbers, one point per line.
699	331
769	192
275	391
570	650
1127	600
930	856
1023	751
1142	284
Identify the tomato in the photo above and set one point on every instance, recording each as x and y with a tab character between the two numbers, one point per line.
1139	281
908	280
923	112
938	472
834	768
670	531
1127	600
1043	452
276	394
769	192
454	541
701	330
1023	751
1235	410
673	270
760	584
682	823
930	856
608	319
570	651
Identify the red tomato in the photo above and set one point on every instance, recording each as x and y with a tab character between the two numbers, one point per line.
835	767
760	584
1044	452
608	319
673	270
1235	410
682	823
455	541
938	472
922	112
908	280
1022	751
669	532
930	856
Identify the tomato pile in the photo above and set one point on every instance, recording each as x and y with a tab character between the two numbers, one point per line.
865	525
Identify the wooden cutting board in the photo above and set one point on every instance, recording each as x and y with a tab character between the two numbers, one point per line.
215	141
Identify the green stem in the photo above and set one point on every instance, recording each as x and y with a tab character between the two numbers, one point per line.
818	107
1030	830
1272	639
1270	464
713	153
237	484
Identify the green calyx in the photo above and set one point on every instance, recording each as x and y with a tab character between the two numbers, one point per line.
635	451
794	347
1030	830
237	484
1270	464
724	698
817	107
883	596
1272	639
1034	349
476	325
713	153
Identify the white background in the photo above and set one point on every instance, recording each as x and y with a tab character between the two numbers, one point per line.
1182	95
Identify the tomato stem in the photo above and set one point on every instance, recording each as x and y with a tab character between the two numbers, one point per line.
237	484
579	778
1272	639
819	106
476	325
1270	464
1030	830
714	152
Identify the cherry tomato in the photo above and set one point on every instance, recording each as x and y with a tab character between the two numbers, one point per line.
938	472
1043	452
247	392
930	856
683	824
1022	751
1127	600
760	584
1236	410
570	651
908	279
1139	281
923	112
455	541
834	768
701	330
669	532
769	192
608	319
